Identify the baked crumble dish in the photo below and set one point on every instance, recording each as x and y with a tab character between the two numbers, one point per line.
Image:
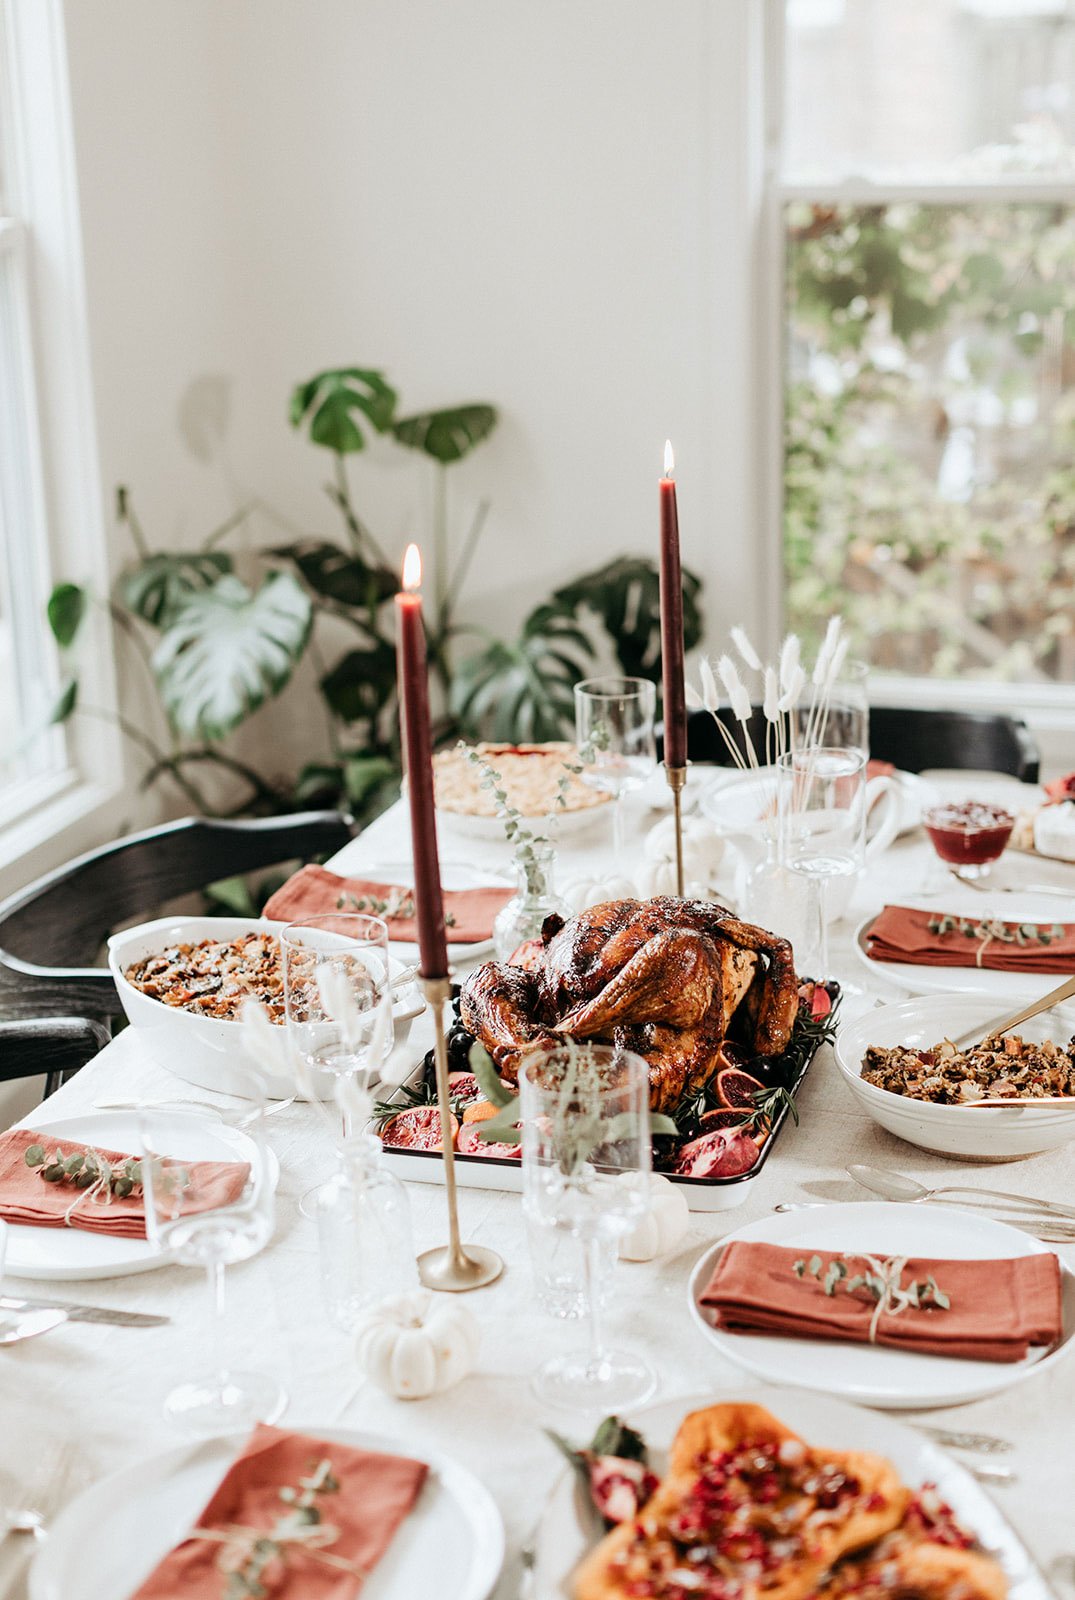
531	776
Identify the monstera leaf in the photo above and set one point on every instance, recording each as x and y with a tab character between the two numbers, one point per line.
525	690
448	435
337	575
158	587
361	682
331	403
228	650
626	596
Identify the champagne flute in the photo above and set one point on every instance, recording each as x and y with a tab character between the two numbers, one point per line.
822	813
586	1163
199	1222
614	728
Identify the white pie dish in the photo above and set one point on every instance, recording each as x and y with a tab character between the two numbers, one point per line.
984	1135
206	1051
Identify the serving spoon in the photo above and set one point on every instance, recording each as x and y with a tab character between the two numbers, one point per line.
897	1186
1063	991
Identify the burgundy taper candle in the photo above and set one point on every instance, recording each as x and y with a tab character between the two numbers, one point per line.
675	698
418	745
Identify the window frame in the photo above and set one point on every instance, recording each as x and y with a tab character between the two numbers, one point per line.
1048	707
62	811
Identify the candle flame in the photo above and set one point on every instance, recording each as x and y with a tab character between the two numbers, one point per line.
412	568
669	459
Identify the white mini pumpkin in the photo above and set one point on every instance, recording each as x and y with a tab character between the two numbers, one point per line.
664	1224
416	1344
703	849
582	893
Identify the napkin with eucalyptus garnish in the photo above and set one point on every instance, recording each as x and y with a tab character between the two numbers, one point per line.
971	1310
292	1517
316	892
953	939
95	1190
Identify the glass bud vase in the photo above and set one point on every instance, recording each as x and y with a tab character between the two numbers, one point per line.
364	1233
534	900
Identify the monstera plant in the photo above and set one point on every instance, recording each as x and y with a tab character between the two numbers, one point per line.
222	632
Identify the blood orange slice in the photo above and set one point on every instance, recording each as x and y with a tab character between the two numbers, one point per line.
737	1088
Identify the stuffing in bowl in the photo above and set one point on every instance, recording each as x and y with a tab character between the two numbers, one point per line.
182	982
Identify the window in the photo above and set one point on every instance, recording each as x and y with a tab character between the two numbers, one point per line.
50	505
928	202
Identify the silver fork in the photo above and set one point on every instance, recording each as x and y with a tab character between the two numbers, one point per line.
27	1508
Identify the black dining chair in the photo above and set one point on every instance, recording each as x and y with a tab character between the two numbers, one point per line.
52	933
911	739
981	741
51	1047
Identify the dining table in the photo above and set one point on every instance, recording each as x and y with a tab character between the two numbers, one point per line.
100	1387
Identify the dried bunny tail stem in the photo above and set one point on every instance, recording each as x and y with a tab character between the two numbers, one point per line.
693	698
710	692
774	723
828	647
821	679
739	699
746	649
790	657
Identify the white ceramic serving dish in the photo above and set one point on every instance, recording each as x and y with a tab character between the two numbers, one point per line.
567	1530
109	1538
876	1374
205	1051
1000	1134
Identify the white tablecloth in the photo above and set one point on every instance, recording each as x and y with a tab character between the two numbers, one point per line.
106	1384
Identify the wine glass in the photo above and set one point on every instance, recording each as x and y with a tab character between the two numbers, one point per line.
586	1163
338	998
203	1222
614	729
822	817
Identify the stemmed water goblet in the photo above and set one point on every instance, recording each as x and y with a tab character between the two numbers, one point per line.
822	804
338	999
614	729
200	1221
586	1163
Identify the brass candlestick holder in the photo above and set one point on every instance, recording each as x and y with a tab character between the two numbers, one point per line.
452	1267
677	778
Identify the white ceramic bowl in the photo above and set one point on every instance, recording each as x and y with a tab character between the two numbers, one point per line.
990	1135
205	1051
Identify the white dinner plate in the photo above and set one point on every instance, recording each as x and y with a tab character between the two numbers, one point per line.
877	1375
567	1530
71	1253
566	824
961	901
107	1541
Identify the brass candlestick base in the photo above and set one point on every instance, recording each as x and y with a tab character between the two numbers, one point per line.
677	778
452	1267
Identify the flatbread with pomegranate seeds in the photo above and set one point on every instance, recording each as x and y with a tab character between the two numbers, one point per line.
749	1508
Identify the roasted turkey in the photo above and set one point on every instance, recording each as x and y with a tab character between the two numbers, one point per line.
661	977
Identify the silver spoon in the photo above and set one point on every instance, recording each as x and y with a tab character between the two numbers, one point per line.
897	1186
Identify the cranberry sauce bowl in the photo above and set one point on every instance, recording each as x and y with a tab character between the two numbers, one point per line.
969	836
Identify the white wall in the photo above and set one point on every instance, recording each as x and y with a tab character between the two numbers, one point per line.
534	202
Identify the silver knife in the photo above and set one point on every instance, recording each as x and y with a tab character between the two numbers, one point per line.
77	1313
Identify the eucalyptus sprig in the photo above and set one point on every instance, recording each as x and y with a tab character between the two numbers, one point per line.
583	1131
877	1284
247	1553
86	1169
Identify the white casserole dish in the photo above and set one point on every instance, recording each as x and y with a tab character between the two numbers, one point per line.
205	1051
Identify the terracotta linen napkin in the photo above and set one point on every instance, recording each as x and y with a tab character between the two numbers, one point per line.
375	1494
26	1199
900	933
315	891
999	1309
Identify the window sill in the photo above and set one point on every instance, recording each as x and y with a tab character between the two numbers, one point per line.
71	818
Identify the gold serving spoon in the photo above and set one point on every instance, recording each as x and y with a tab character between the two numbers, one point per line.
975	1036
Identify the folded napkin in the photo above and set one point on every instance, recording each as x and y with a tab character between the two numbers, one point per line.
27	1200
936	939
998	1309
358	1518
314	892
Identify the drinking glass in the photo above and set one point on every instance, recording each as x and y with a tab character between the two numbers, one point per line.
614	727
822	815
338	997
186	1216
844	721
586	1163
